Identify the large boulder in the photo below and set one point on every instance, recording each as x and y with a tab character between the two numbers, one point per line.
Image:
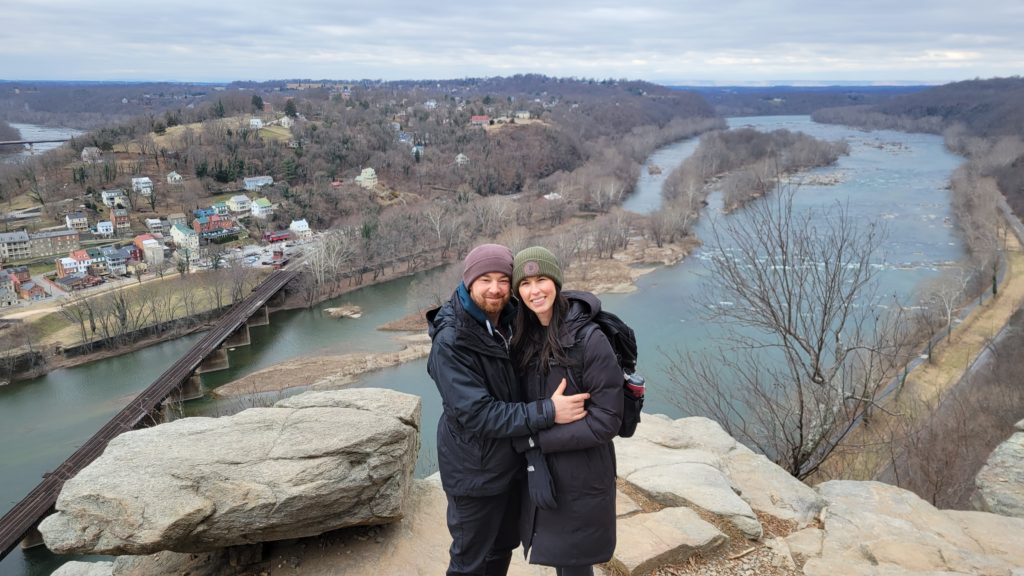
310	464
1000	482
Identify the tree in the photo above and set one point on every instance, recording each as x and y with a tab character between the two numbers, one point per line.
289	108
805	348
257	103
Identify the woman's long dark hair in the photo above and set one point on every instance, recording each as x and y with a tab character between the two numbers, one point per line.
533	340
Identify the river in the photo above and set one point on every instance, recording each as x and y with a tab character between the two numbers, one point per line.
34	132
896	178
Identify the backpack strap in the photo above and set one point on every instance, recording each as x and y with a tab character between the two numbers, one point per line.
576	355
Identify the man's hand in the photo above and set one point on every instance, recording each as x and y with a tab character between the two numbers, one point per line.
568	408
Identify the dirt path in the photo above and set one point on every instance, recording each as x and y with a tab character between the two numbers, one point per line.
955	354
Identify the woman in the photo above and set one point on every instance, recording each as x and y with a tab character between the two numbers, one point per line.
577	529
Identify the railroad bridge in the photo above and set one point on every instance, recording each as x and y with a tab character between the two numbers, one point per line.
179	382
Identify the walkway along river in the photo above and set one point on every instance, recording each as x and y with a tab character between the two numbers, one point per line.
896	178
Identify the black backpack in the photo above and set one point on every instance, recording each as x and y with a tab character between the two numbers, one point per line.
623	342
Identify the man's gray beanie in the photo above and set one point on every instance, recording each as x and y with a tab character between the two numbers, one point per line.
487	258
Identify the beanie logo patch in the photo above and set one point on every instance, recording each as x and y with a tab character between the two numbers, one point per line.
531	268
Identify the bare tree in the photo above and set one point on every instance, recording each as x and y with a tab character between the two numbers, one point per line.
805	349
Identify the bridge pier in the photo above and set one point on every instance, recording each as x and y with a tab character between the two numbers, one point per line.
260	318
216	360
191	388
239	337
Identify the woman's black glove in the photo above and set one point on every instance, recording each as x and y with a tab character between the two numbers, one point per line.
539	481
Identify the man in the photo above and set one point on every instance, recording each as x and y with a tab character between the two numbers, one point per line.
482	410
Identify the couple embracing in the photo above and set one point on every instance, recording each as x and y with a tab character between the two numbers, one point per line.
529	412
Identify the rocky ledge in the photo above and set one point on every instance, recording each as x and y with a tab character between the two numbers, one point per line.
692	501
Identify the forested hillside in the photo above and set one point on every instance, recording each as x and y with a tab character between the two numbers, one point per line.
443	164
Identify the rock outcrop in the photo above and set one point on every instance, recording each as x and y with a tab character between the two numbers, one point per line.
1000	482
310	464
688	489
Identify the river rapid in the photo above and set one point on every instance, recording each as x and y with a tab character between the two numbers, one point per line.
889	177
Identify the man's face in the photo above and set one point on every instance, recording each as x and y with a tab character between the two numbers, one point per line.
491	292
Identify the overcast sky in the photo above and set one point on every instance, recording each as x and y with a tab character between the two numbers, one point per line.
665	41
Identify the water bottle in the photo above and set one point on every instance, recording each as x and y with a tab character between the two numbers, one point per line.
636	384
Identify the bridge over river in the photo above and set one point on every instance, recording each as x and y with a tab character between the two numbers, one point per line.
178	382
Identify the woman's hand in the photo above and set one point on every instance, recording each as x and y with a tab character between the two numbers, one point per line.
568	408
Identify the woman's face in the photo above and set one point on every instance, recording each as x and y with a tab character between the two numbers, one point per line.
538	294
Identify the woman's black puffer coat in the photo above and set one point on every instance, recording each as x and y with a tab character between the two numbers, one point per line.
580	455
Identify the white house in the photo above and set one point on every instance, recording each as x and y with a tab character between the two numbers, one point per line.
105	228
8	295
143	185
76	221
461	159
110	197
287	121
262	208
154	225
367	178
92	155
255	123
239	204
300	229
153	252
254	183
173	178
185	238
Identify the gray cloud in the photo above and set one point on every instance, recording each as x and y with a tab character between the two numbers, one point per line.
658	40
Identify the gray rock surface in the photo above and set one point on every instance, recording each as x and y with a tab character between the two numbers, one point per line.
873	528
647	542
310	464
700	485
866	528
770	489
1000	482
85	569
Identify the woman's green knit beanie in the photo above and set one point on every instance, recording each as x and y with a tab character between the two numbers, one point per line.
535	261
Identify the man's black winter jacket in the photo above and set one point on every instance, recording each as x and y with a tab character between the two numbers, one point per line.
483	407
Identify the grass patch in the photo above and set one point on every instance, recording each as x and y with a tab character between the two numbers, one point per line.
42	267
48	325
20	202
279	133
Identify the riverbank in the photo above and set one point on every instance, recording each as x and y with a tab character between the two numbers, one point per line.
616	275
324	372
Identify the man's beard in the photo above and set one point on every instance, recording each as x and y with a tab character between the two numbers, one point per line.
491	306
